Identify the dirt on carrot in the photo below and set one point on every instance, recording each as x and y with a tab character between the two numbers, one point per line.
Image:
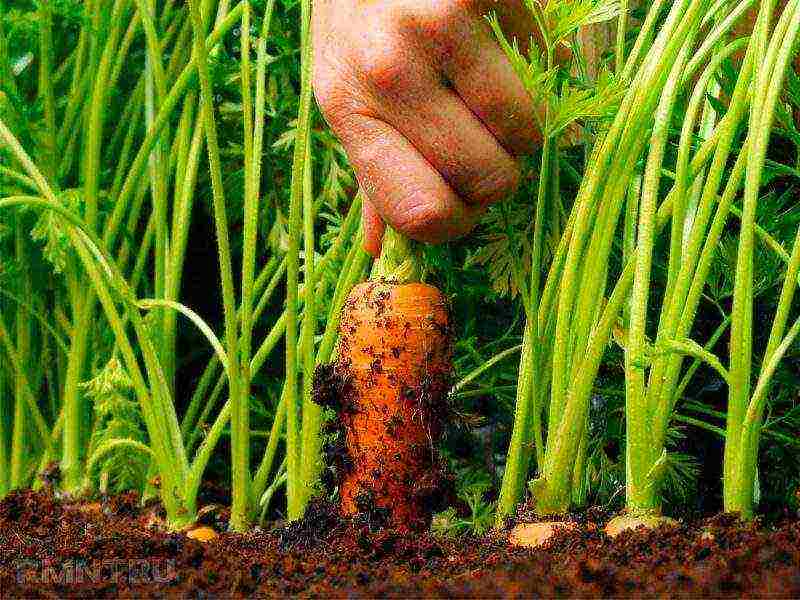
49	549
388	389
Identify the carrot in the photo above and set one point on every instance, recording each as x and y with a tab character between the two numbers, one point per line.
394	357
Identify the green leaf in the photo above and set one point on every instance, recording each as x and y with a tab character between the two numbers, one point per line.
118	427
50	229
565	17
691	348
538	82
588	104
505	251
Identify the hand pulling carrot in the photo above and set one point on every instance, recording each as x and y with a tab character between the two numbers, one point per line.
394	359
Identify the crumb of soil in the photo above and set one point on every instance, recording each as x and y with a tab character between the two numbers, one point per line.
50	549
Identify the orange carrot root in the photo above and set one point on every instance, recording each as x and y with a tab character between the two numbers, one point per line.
395	359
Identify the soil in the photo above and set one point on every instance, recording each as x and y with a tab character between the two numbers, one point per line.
116	548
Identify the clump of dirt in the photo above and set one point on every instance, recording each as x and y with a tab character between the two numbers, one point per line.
53	549
333	389
321	521
51	475
333	392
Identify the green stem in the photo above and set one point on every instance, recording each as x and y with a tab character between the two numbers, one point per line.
350	274
311	450
182	83
527	410
5	419
189	150
312	413
474	374
744	417
23	349
295	491
130	124
511	490
124	47
714	37
84	310
71	471
239	509
240	417
399	261
155	91
619	51
96	117
721	329
24	386
46	86
191	422
641	494
741	311
578	345
698	251
278	329
157	408
264	470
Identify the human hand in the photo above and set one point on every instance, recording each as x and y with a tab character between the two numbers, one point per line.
427	107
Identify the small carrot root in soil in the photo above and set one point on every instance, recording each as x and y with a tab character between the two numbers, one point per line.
394	363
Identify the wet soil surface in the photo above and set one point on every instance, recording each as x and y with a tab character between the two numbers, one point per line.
115	548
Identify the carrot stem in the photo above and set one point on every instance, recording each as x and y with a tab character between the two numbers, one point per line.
400	260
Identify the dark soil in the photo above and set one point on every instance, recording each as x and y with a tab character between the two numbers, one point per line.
115	548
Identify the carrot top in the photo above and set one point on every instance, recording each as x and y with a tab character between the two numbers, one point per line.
400	261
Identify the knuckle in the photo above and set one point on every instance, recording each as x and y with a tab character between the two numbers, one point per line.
384	64
332	100
497	183
449	11
337	96
440	24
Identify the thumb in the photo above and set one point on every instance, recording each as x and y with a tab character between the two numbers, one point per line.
373	226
